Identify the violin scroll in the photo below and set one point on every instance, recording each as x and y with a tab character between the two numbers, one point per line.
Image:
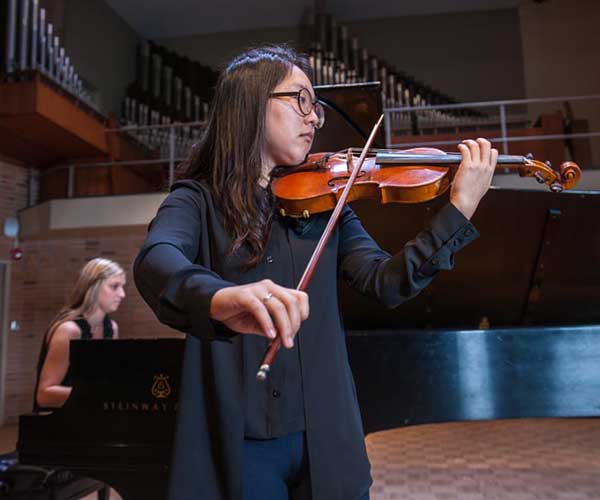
566	178
570	173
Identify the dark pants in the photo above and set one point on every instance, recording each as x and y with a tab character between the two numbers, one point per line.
277	469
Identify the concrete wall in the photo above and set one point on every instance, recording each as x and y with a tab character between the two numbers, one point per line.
90	212
561	53
216	49
471	55
103	49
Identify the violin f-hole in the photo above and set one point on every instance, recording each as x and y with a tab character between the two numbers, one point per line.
337	181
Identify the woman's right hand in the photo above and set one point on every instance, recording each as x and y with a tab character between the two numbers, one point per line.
261	308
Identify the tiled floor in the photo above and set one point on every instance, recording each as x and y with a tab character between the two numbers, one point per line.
544	459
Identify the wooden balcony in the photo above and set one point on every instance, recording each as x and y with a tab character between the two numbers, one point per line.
41	124
44	126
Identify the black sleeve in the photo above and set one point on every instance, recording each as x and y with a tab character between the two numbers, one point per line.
394	279
169	271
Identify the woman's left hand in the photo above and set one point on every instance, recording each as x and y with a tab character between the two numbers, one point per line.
474	175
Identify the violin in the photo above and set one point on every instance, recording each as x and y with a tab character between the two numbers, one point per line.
407	176
327	181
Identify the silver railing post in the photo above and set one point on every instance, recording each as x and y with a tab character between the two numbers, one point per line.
388	128
71	182
171	155
503	128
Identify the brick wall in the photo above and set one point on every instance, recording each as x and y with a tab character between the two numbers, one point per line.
40	283
13	197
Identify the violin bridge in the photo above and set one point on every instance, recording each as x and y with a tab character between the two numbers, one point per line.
349	160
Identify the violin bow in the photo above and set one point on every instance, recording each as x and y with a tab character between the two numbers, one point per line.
269	357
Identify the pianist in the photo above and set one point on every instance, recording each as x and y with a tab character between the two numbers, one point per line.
98	292
221	265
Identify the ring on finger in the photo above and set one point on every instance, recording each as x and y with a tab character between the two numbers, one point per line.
267	297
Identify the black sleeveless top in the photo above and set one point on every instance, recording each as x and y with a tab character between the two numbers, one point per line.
86	334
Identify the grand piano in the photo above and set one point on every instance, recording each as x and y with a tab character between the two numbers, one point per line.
118	423
513	331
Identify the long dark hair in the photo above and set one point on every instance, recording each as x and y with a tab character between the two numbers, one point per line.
228	156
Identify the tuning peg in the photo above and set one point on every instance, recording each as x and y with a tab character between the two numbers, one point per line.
548	163
529	156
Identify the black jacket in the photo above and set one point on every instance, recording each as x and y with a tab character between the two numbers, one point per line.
184	261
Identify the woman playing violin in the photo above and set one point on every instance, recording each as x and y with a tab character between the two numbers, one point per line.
220	264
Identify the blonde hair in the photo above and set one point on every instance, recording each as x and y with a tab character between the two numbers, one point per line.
84	296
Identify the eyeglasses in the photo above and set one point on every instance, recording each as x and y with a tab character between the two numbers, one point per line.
306	104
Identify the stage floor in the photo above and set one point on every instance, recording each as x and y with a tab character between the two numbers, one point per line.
541	459
528	459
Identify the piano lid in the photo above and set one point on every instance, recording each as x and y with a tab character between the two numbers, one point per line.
537	262
414	377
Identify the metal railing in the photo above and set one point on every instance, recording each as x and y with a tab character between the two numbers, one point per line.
160	145
169	144
171	141
446	119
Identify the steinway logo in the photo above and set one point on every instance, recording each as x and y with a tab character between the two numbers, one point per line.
139	407
161	389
